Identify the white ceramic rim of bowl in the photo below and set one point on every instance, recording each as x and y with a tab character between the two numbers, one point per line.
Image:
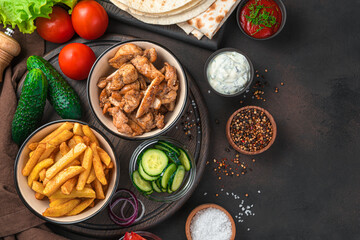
156	132
114	183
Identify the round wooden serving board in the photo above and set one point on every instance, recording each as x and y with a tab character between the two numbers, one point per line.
100	226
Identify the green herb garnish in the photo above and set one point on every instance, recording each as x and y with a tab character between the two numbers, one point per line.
260	17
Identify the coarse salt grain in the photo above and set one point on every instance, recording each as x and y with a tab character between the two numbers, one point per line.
210	224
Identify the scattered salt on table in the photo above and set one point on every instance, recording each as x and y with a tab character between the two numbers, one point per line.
210	224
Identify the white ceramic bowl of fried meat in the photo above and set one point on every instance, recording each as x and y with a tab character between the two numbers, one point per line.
102	68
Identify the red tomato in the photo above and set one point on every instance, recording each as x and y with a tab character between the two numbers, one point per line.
76	60
89	19
133	236
57	29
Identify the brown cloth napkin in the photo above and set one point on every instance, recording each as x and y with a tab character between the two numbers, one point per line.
16	221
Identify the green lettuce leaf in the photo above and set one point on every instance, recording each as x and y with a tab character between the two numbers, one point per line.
22	13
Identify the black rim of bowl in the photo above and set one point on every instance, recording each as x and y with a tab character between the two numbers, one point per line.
213	55
283	18
138	138
17	161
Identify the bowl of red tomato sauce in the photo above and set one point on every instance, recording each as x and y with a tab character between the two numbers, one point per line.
261	19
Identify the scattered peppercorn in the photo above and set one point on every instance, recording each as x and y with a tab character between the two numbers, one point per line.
251	130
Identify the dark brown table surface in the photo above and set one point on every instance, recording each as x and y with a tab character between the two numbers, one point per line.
306	186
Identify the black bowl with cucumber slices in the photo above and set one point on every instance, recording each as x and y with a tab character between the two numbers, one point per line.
162	169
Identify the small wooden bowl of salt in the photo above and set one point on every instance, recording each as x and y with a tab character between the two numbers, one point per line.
210	221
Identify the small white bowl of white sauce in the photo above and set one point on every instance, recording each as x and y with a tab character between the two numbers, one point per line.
229	72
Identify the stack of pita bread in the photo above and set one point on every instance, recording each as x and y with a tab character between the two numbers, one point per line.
196	17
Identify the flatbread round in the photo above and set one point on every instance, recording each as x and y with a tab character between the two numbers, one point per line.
155	6
184	8
172	19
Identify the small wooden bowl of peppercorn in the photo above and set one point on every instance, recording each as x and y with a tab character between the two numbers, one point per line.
251	130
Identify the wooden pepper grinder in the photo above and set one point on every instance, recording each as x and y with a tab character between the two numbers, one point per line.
9	48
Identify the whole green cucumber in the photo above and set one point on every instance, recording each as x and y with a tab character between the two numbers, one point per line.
61	95
30	107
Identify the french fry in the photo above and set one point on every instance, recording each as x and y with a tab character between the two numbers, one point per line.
31	153
92	204
58	156
69	185
85	193
52	155
57	202
88	185
60	178
81	207
39	196
98	189
62	209
104	157
99	172
62	137
33	159
48	150
110	166
87	164
42	175
91	176
78	129
34	175
78	139
64	149
87	140
89	133
33	146
71	143
73	163
64	126
65	160
38	187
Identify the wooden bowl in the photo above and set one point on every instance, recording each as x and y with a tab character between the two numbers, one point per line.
208	205
232	143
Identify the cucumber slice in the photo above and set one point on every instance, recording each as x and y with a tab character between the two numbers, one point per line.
173	156
149	192
171	168
169	146
169	190
138	160
154	161
140	183
158	183
145	176
177	178
185	160
161	147
155	187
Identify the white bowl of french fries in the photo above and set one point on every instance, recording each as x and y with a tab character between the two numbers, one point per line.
66	171
137	89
